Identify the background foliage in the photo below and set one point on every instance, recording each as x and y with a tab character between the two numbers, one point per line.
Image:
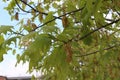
65	39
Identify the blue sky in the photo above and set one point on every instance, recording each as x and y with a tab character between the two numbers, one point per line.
7	67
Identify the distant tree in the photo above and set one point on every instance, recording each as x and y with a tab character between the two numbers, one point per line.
65	39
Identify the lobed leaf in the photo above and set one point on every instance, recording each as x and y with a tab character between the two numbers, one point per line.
5	28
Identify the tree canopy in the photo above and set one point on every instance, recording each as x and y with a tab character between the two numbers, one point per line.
65	39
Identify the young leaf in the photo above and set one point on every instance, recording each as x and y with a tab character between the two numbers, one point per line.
49	17
5	28
2	52
1	39
12	39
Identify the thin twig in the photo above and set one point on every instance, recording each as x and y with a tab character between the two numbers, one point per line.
37	10
95	52
59	17
33	8
97	29
74	11
105	19
21	8
18	33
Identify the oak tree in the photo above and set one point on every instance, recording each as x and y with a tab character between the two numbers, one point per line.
65	39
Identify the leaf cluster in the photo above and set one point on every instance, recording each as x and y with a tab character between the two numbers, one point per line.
66	39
